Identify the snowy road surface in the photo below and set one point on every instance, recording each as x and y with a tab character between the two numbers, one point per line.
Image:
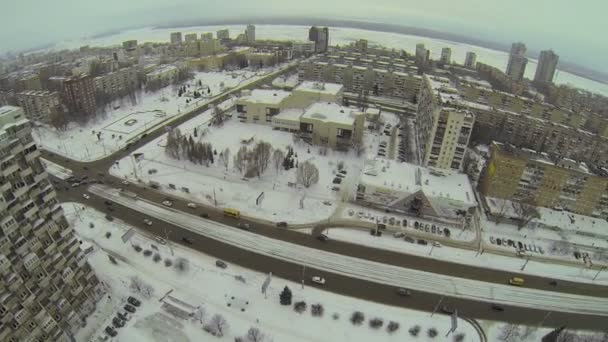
364	269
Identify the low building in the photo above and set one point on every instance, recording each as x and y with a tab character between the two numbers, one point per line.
129	45
526	175
307	92
163	74
332	125
260	105
416	190
39	105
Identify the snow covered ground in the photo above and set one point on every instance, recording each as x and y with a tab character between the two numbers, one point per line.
205	290
56	169
342	36
281	202
125	119
462	256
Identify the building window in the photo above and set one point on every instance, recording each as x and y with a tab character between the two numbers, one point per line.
241	108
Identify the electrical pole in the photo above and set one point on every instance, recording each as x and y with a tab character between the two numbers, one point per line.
544	318
525	263
437	306
168	241
598	272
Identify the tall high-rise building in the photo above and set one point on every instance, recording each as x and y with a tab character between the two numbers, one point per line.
79	95
421	53
470	60
190	37
47	287
516	66
223	34
176	37
319	35
446	55
250	33
547	62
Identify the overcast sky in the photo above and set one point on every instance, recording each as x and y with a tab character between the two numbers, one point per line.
574	29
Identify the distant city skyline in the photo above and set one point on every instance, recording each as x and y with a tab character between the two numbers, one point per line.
538	24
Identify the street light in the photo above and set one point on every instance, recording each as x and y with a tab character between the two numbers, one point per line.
168	241
598	272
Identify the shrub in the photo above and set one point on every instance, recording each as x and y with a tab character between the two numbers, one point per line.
317	310
181	265
157	257
357	318
335	316
108	235
459	337
299	307
432	332
392	326
137	248
376	323
147	253
285	296
415	330
168	262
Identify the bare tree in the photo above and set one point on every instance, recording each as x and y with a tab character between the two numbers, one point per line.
260	157
277	159
509	333
240	159
139	286
59	120
501	212
526	211
225	158
173	143
307	174
218	326
255	335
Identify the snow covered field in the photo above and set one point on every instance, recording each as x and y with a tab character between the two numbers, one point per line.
342	36
206	290
467	257
124	119
281	202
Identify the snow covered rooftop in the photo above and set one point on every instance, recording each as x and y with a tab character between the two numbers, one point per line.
266	96
412	178
322	88
477	82
330	112
290	114
162	69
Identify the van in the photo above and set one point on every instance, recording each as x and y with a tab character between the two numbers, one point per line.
232	213
516	281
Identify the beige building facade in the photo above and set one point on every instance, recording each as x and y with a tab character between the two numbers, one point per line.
39	105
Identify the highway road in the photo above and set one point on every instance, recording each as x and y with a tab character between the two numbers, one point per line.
341	277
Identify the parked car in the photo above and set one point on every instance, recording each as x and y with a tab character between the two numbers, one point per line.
187	240
75	184
107	202
124	182
497	307
398	234
337	180
318	280
85	196
403	292
133	301
123	315
204	215
191	205
244	226
335	188
343	172
168	203
436	244
117	322
110	331
282	224
221	264
130	308
422	242
109	218
409	239
147	222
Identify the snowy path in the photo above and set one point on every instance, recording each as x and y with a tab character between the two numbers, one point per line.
364	269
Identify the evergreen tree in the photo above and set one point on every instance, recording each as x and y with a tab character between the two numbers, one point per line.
195	133
291	163
285	296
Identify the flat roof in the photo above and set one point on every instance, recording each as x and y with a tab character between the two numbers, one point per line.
292	114
266	96
330	112
162	68
410	178
318	87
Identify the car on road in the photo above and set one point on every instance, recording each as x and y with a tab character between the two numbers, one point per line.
318	280
221	264
147	222
107	202
403	292
422	242
447	309
117	322
168	203
85	196
75	184
436	244
133	301
282	224
110	331
243	226
160	240
516	281
409	239
191	205
187	240
124	182
322	237
109	218
130	308
204	215
398	234
497	307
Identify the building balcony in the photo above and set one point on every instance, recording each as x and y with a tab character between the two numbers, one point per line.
6	186
50	248
26	172
32	155
40	176
20	192
75	291
30	212
49	196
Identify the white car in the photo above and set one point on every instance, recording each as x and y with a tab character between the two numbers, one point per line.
168	203
160	240
124	182
436	244
191	205
147	222
85	196
318	280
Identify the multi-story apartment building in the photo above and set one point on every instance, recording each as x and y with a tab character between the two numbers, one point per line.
319	35
190	37
117	83
176	37
470	60
163	74
516	66
547	62
223	34
39	105
446	55
47	288
422	53
206	36
79	95
526	175
129	45
250	33
443	131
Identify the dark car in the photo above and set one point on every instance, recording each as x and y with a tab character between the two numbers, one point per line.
447	309
498	308
111	331
107	202
322	237
133	301
337	180
409	239
422	242
220	264
117	322
109	218
187	240
122	316
403	292
130	308
204	215
282	224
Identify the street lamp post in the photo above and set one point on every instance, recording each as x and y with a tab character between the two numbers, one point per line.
168	241
544	318
437	306
525	263
598	272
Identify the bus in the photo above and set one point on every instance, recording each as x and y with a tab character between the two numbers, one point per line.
232	213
